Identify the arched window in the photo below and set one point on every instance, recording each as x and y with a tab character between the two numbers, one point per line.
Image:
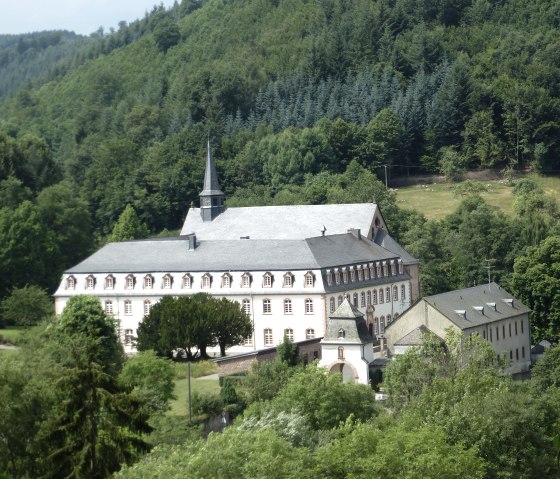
148	281
267	280
372	271
109	307
289	333
288	280
360	273
309	279
127	307
90	282
332	304
226	280
363	299
287	306
345	276
337	277
369	297
381	296
382	324
366	273
401	267
308	306
206	280
389	319
329	278
379	270
403	292
341	333
246	280
309	333
187	281
376	325
109	281
374	296
387	295
147	307
340	352
71	282
395	293
167	281
352	275
268	337
267	308
355	299
130	281
248	341
247	305
340	299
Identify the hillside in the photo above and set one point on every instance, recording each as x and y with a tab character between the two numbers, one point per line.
303	101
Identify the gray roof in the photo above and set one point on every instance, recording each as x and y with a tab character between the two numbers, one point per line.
463	306
384	239
351	320
172	254
281	222
211	184
414	338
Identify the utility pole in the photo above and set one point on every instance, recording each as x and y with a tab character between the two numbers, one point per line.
385	166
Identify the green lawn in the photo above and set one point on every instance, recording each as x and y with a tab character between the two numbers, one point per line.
437	200
201	386
13	334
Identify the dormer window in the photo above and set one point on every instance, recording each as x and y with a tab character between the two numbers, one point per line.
187	281
267	280
129	281
90	282
393	269
148	281
341	333
352	275
167	281
246	280
379	271
288	280
360	273
309	279
371	271
401	267
329	278
71	282
345	276
206	281
385	269
226	280
337	277
109	282
366	273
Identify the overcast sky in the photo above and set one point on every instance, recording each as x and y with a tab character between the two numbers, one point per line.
81	16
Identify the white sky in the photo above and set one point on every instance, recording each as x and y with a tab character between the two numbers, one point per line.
80	16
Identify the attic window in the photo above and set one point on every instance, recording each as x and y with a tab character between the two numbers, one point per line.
288	280
508	301
187	280
70	282
246	280
479	309
492	305
309	279
90	282
109	281
341	333
462	313
267	280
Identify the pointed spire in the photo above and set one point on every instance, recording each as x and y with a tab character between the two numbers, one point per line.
211	183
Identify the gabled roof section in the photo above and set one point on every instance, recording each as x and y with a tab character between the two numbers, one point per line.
211	184
347	310
282	222
414	338
385	240
478	305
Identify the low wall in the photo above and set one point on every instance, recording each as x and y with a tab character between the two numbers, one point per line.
308	351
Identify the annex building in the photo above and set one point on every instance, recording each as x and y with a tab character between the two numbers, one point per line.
487	310
289	267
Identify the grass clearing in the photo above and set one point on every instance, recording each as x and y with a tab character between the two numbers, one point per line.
179	406
198	369
437	200
13	334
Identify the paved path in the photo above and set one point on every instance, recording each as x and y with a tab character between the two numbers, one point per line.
212	377
8	346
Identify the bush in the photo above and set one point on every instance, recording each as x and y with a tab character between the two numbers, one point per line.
228	393
26	306
206	404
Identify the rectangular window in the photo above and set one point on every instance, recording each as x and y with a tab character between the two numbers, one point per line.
248	341
360	274
516	328
246	281
309	280
509	325
363	299
497	333
109	307
521	326
287	306
129	282
288	281
309	333
128	335
127	307
289	333
268	337
267	309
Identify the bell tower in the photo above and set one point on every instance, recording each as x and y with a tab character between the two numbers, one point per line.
211	197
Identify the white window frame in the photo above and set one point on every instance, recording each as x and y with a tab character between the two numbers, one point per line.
267	280
268	337
108	307
127	307
267	306
226	280
109	282
246	280
148	282
289	333
308	306
309	333
167	281
288	280
129	282
128	336
147	307
90	282
187	281
309	279
206	281
288	307
71	282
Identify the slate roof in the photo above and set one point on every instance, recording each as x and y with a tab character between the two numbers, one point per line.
211	185
281	222
349	318
172	254
384	239
469	299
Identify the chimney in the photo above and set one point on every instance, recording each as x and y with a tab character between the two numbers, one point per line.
356	232
191	238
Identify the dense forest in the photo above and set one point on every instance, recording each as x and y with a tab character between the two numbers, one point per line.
303	101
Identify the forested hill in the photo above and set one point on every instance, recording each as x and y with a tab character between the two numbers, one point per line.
302	99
